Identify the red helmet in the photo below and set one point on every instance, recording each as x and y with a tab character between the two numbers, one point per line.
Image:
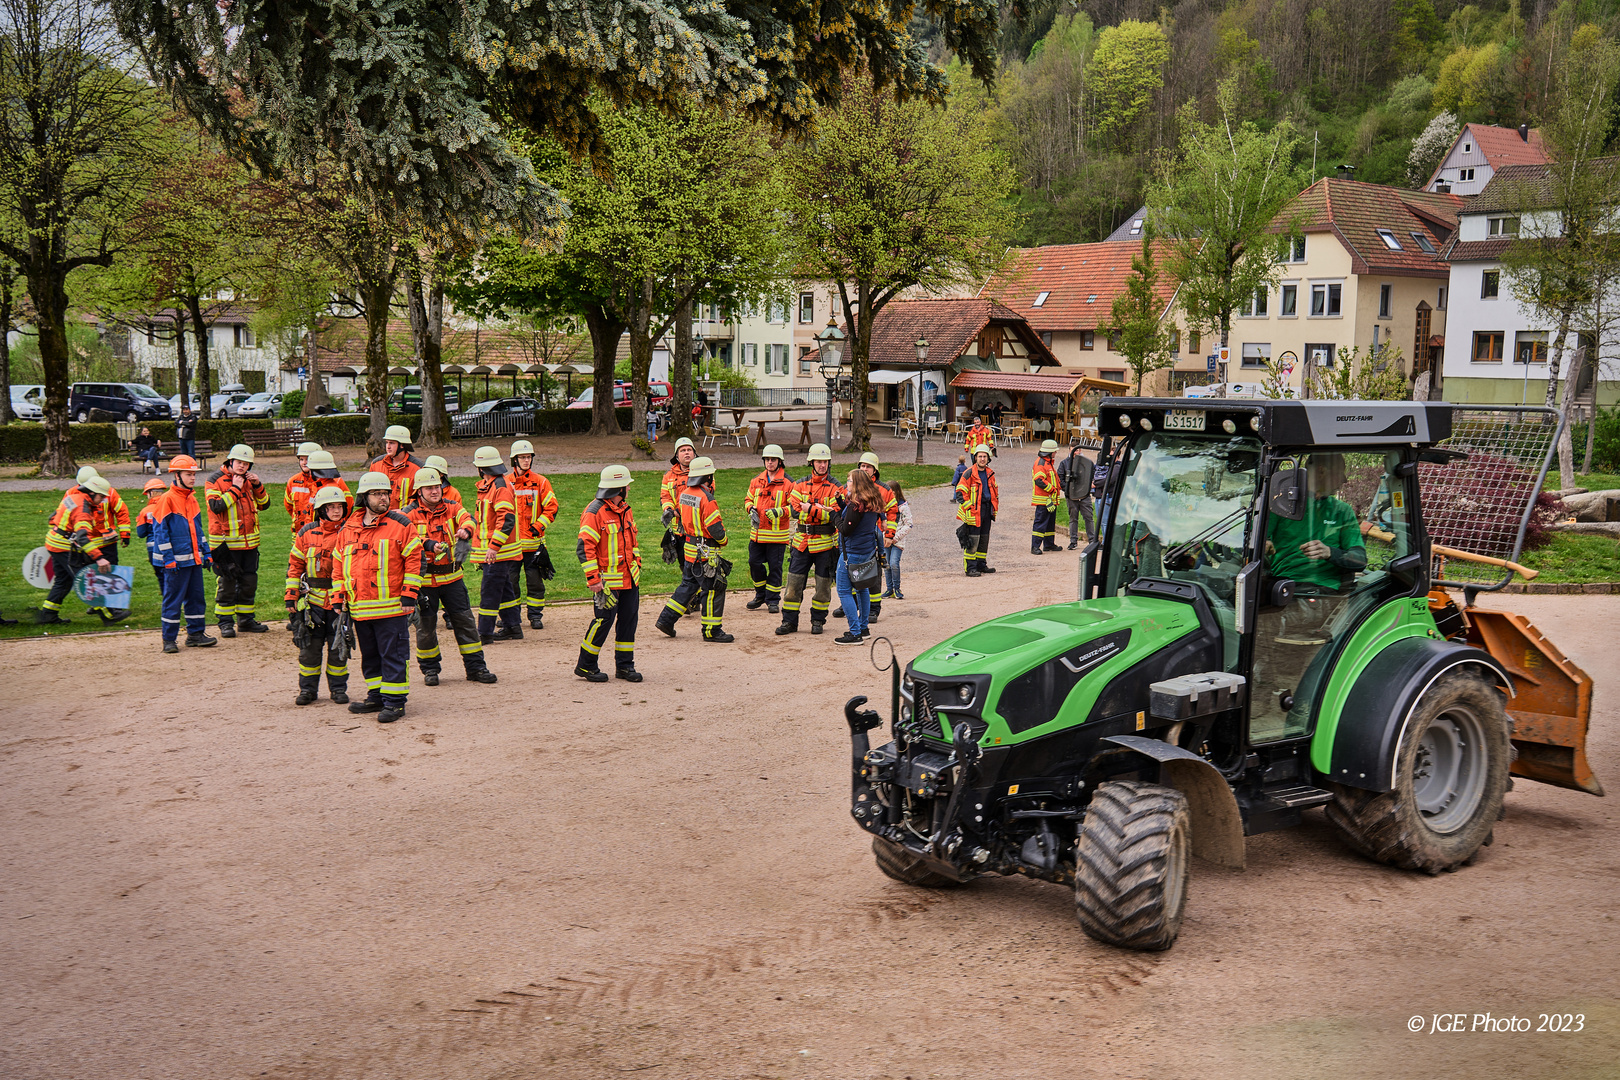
155	484
183	461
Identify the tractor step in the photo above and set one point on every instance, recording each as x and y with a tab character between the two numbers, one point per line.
1297	796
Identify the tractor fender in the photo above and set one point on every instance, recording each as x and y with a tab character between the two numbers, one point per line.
1217	824
1368	735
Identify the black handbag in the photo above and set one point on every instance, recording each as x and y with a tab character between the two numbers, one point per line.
867	574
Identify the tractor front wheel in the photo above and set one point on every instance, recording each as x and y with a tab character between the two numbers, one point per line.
906	868
1451	771
1130	879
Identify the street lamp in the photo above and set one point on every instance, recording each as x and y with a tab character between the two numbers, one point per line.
697	359
922	358
832	361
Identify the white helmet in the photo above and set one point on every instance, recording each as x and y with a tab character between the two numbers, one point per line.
374	481
1049	446
819	452
489	459
772	451
700	467
438	463
521	446
306	449
329	495
85	473
615	476
426	478
240	452
97	484
870	458
398	433
322	464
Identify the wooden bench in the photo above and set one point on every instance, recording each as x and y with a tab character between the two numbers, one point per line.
203	450
270	438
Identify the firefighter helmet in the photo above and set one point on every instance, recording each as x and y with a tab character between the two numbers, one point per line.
871	459
398	433
97	484
327	496
154	484
1049	446
489	460
700	467
322	464
306	449
427	478
819	452
772	451
615	476
240	452
522	446
183	463
375	481
438	464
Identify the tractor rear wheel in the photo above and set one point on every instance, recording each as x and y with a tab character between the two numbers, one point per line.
1132	862
1451	771
906	868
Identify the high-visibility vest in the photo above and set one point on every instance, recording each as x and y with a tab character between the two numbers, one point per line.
233	511
496	518
970	506
810	501
440	525
769	497
313	562
378	564
536	506
1045	483
608	550
699	517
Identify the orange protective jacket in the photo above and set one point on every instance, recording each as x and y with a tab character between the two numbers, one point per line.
970	506
114	518
438	526
233	511
1046	486
810	501
313	562
536	506
299	498
770	497
379	565
670	488
608	550
401	474
700	517
496	518
74	514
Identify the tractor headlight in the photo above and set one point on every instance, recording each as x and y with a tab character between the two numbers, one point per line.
1229	426
964	693
1254	423
1125	420
905	714
1147	425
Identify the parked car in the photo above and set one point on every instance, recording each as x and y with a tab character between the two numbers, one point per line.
196	404
223	405
659	394
498	416
28	401
128	401
265	404
409	400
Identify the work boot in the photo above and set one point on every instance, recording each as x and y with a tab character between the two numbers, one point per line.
171	646
200	640
536	622
838	612
430	678
987	569
482	674
508	633
1051	547
877	609
486	639
788	627
339	697
49	618
628	674
591	674
391	713
370	704
719	635
817	627
975	572
250	625
665	626
1034	549
773	606
756	603
110	617
227	629
305	697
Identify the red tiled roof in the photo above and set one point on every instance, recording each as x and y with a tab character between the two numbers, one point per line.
1354	212
949	327
1477	250
1082	280
1501	146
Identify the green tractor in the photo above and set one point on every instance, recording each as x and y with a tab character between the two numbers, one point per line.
1262	627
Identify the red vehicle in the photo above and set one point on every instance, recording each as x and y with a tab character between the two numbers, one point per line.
659	394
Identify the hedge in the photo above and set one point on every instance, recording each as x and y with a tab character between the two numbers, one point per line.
25	441
568	422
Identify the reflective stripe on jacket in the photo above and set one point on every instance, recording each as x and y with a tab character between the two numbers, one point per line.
496	518
816	501
114	518
233	511
144	521
75	513
299	498
536	506
1045	483
700	517
670	487
313	562
401	474
440	524
178	535
770	497
379	564
608	550
970	506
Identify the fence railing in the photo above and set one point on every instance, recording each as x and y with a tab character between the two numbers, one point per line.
773	397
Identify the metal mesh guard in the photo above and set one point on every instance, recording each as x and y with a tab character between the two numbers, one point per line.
1482	504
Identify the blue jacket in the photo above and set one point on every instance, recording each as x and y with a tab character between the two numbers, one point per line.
179	531
861	533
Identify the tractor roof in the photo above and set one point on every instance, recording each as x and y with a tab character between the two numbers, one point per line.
1283	423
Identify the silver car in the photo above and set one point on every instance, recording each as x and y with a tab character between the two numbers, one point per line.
28	401
265	404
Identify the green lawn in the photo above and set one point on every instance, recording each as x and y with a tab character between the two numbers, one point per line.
1575	559
1590	481
22	528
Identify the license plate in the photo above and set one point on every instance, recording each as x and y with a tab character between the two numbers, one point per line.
1184	420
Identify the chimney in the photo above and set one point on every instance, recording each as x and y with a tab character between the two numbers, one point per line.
1443	189
1524	132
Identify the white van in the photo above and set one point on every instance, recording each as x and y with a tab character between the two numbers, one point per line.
28	401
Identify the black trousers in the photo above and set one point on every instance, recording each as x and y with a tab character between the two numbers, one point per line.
765	565
238	574
1044	533
64	565
458	613
535	584
385	655
801	564
624	615
978	542
497	596
1078	509
707	593
319	646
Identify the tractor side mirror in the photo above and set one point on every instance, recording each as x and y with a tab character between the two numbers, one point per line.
1245	593
1286	493
1282	593
1408	570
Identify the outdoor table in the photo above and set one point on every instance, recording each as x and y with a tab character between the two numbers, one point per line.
780	416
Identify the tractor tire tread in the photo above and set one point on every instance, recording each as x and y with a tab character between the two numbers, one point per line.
1122	859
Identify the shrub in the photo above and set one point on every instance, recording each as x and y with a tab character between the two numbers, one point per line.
23	441
1605	441
292	405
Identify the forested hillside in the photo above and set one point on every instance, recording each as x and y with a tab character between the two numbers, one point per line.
1088	93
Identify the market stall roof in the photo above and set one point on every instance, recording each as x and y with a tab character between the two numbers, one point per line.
1021	383
878	378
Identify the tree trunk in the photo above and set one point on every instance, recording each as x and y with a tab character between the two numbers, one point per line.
427	328
860	436
314	387
205	371
182	367
1555	360
680	370
7	277
48	291
605	333
641	358
377	296
1566	442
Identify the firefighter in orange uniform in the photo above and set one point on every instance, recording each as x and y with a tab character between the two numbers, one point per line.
297	498
115	523
398	464
379	558
770	523
73	538
816	501
442	467
703	573
536	506
235	500
446	530
1044	497
498	548
611	558
311	568
674	482
977	500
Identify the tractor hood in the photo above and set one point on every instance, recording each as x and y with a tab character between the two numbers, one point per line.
1034	672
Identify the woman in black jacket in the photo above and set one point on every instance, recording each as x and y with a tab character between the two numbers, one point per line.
858	540
146	447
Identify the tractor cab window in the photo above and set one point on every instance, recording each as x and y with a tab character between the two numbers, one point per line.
1356	520
1185	508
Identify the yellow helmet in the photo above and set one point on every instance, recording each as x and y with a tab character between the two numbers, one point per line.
426	478
870	458
700	467
819	452
521	446
240	452
329	495
374	481
398	433
615	476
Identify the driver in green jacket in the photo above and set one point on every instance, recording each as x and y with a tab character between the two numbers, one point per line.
1324	548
